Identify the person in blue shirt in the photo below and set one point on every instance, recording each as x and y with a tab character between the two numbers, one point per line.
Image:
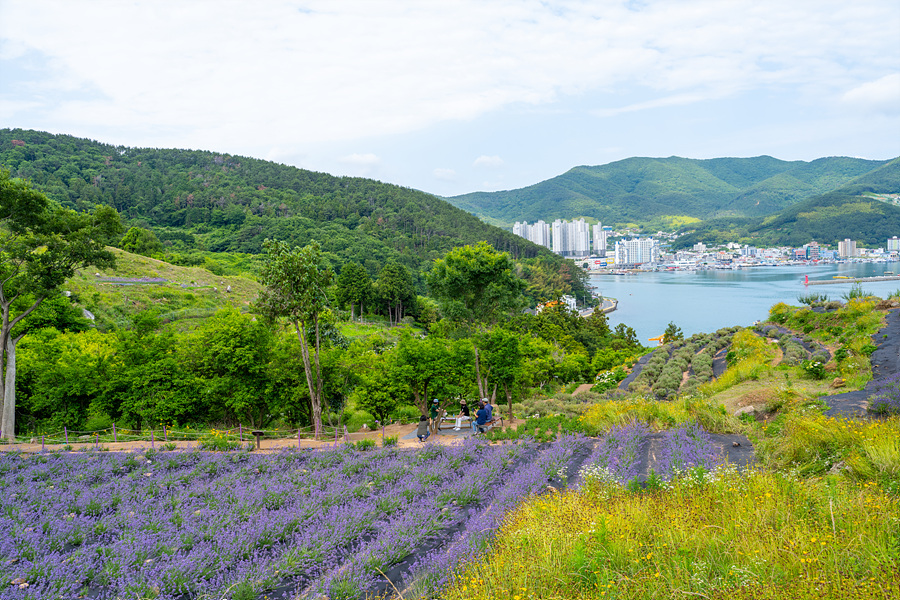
489	408
481	417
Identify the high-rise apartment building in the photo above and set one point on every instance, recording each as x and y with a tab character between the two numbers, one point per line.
539	233
571	239
893	244
637	251
599	240
847	248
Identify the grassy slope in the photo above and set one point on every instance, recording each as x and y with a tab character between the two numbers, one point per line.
188	294
820	518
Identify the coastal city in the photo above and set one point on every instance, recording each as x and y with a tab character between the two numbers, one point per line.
591	247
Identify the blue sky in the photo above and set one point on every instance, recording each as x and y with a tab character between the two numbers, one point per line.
458	96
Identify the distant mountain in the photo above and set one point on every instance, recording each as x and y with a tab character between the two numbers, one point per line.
863	210
200	200
643	190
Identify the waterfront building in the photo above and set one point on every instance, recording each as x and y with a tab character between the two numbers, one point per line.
847	249
893	244
812	251
637	251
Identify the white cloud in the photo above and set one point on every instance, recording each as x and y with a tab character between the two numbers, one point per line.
361	160
881	95
444	174
488	161
333	71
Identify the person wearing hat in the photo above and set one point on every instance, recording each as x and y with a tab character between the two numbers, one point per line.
489	408
463	414
436	416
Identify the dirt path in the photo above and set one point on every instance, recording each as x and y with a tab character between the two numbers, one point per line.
401	432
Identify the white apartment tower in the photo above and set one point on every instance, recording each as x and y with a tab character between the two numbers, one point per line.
637	251
599	240
847	248
571	239
539	233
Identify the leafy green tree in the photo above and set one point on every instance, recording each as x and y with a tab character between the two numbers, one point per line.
354	287
149	379
421	364
41	245
672	333
396	291
381	392
476	286
61	376
296	281
141	241
502	363
231	356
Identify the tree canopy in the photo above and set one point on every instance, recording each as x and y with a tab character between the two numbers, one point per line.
41	245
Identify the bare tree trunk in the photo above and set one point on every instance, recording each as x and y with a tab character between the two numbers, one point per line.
317	416
494	394
307	367
481	390
352	310
8	422
508	400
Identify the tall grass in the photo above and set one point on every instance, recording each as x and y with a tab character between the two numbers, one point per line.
731	535
660	415
812	444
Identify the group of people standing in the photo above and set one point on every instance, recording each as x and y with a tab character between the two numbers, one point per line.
483	414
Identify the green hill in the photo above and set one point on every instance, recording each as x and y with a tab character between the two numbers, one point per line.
861	210
641	190
206	201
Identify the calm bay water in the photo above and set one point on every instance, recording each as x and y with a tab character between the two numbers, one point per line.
707	300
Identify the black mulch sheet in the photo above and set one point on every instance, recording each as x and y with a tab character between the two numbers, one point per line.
885	363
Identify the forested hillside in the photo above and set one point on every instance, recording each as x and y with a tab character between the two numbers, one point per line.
201	200
647	190
855	211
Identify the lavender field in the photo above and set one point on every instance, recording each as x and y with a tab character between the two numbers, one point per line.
339	522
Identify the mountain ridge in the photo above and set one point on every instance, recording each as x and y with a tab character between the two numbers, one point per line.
639	189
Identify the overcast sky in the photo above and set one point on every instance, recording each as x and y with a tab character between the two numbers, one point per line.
457	96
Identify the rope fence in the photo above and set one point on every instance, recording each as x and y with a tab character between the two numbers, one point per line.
213	438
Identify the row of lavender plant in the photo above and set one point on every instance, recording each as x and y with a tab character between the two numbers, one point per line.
435	569
193	523
617	456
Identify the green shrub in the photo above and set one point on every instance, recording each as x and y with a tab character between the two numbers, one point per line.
355	420
813	368
389	440
364	445
218	443
98	422
406	414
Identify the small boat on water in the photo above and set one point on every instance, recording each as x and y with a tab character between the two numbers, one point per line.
840	277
